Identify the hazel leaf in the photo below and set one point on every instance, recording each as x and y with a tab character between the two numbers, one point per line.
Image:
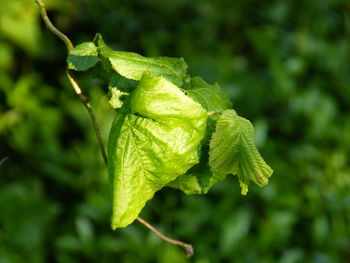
83	56
132	65
211	97
153	140
233	151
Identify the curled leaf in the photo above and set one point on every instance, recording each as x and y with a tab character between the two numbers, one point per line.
200	178
233	151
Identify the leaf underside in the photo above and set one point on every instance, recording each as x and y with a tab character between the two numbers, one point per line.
233	151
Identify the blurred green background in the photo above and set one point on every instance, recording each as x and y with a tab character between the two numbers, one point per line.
285	65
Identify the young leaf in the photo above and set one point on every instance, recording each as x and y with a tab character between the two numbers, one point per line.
153	139
132	65
232	151
211	97
83	56
199	179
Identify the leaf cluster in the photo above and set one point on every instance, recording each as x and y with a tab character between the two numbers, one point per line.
170	130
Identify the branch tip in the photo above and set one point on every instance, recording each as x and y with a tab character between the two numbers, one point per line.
187	247
189	250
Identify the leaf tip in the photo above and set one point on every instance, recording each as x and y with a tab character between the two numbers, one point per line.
98	40
114	226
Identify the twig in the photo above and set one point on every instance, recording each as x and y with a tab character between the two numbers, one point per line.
87	105
52	28
78	91
74	84
187	247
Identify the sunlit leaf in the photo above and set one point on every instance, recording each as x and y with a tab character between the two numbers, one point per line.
232	151
200	178
211	97
132	65
154	139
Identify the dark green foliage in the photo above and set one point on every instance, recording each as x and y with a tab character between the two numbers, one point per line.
285	65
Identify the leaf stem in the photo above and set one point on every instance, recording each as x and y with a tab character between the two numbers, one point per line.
78	91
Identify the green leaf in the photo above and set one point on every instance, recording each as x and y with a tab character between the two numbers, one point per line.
199	179
83	56
211	97
132	65
232	151
153	140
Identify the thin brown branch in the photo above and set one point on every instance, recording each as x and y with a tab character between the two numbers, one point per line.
78	91
187	247
87	105
74	84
